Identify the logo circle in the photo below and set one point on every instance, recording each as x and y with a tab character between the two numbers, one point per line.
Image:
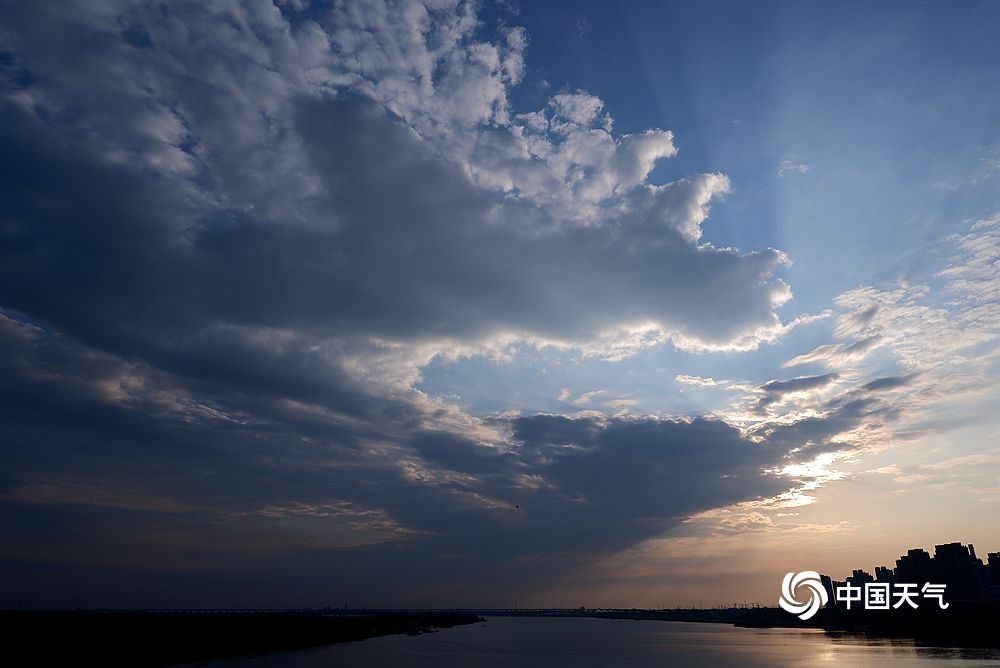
790	586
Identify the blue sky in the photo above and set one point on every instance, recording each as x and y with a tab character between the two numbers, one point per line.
890	107
837	127
630	304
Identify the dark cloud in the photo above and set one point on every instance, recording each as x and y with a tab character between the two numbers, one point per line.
865	316
188	487
779	387
888	383
405	250
206	262
829	427
776	389
661	469
862	346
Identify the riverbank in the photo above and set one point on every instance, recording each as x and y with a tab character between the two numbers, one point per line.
963	624
163	638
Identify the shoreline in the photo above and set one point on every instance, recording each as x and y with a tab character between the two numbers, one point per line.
166	638
172	637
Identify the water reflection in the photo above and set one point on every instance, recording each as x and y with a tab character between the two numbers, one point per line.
557	642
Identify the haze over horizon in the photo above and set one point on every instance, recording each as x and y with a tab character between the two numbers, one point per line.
448	304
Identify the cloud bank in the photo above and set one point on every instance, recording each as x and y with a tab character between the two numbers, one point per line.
232	234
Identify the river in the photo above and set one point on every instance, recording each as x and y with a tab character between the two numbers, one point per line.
585	642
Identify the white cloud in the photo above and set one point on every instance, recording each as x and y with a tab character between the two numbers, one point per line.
792	167
695	380
587	397
574	111
910	362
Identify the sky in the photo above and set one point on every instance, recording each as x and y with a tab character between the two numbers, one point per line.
452	304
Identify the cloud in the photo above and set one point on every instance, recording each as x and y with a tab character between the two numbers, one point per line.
776	390
371	266
792	167
699	381
831	353
232	235
587	397
889	382
912	361
803	383
221	474
354	108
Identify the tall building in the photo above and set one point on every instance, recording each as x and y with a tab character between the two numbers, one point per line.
884	574
915	566
954	565
828	585
860	577
993	568
957	566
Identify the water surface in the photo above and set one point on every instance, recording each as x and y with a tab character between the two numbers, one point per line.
583	642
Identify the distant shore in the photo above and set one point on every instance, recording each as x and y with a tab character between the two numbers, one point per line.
164	638
974	623
171	637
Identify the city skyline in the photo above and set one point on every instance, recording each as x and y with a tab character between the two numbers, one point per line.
955	568
449	304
